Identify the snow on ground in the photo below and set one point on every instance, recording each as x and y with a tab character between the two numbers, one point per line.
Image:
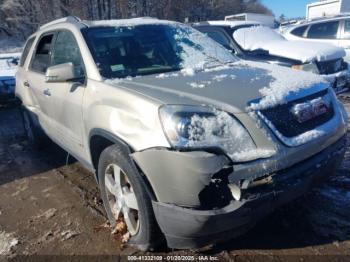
261	37
6	68
7	242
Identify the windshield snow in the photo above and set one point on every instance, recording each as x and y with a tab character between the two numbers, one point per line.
152	49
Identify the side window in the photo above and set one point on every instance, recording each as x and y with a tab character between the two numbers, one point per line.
347	29
42	57
26	51
66	50
219	37
326	30
299	31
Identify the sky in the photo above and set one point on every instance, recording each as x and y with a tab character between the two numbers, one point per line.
290	8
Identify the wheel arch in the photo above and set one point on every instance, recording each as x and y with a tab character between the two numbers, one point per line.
99	140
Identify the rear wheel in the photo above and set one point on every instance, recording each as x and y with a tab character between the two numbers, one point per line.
125	198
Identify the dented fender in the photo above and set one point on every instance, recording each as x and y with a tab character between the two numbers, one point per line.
179	177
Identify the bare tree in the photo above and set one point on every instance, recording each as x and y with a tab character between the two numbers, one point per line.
22	17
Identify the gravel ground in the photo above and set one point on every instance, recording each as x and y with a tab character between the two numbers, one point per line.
51	207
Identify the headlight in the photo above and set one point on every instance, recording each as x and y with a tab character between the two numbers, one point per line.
309	67
193	127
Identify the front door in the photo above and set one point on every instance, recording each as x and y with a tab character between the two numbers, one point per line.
68	96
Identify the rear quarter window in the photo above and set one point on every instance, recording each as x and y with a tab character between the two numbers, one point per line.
26	51
299	31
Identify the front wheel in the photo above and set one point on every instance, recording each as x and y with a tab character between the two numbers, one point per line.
125	197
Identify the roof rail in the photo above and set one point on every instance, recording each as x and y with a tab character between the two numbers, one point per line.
69	19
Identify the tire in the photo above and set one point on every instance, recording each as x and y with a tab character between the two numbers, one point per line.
115	162
34	134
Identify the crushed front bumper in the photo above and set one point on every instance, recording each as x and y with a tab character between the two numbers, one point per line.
340	81
193	228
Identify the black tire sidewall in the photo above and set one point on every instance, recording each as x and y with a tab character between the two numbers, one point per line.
28	126
37	138
117	155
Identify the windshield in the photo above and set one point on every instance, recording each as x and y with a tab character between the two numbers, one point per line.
151	49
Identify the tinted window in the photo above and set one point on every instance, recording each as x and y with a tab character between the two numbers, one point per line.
219	37
66	50
299	31
42	58
26	51
347	29
326	30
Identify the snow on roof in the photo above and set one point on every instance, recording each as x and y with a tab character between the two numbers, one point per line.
232	23
129	22
261	37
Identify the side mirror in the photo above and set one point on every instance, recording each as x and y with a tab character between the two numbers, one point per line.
61	73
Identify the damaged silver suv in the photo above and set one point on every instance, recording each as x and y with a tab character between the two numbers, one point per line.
189	144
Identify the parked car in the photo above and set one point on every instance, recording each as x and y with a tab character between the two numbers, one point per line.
335	30
187	142
252	41
8	67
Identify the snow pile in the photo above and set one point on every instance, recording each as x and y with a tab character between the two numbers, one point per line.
7	242
261	37
285	84
224	131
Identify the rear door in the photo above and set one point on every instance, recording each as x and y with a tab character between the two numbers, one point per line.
35	81
67	103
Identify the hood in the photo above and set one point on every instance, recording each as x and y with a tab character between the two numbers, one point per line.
305	51
254	38
229	87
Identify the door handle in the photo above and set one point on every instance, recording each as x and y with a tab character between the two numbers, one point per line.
47	92
26	84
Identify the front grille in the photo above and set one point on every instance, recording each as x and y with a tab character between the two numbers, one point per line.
286	123
331	67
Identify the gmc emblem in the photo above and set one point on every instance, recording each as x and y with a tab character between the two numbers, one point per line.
309	110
